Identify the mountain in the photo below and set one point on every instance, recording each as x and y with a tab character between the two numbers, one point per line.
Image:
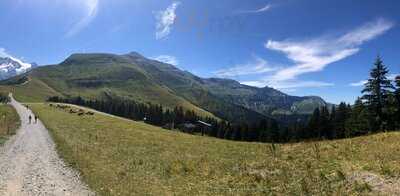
265	100
132	76
10	67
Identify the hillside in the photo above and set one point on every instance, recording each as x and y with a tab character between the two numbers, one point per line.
121	157
10	122
132	76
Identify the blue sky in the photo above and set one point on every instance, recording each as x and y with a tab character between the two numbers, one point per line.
302	47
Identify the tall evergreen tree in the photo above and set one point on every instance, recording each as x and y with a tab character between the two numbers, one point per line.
332	119
314	124
342	114
397	103
324	123
376	92
359	120
397	91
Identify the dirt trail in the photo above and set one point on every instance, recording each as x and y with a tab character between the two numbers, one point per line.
378	184
29	164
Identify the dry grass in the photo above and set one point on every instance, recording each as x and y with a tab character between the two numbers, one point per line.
119	157
9	122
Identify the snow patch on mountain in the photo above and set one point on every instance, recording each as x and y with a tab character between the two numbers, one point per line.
11	66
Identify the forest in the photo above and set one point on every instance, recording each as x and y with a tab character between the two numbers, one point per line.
376	110
4	98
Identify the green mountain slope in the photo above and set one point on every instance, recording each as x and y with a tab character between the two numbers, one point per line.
267	101
135	77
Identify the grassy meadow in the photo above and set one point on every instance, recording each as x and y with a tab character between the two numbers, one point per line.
33	91
9	122
121	157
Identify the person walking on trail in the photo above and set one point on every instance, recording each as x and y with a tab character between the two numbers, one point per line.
30	119
36	118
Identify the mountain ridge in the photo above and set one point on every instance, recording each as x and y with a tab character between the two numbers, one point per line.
10	67
136	77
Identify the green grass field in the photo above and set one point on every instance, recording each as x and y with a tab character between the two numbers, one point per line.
33	91
9	122
120	157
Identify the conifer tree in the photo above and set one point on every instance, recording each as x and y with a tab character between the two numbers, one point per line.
324	123
376	92
397	91
358	122
397	103
332	119
314	124
342	114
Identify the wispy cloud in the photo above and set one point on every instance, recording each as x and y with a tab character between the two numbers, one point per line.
360	83
263	9
91	8
313	55
165	20
167	59
257	66
288	85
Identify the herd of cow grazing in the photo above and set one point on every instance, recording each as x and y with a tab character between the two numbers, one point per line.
71	110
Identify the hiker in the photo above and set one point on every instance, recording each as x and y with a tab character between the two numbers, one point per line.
30	119
36	118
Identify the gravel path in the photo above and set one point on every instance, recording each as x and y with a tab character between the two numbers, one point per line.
29	164
379	185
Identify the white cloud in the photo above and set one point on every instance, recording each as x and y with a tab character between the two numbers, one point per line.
366	32
284	85
91	8
313	55
393	76
360	83
167	59
257	66
165	20
3	53
263	9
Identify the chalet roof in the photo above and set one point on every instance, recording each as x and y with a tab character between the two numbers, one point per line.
204	123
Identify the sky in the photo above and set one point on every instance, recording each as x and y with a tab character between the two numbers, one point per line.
301	47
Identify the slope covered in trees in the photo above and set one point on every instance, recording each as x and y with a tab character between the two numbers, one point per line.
377	110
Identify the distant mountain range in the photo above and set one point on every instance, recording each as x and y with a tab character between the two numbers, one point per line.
10	67
132	76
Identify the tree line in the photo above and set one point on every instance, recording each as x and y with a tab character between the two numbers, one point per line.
4	98
155	114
